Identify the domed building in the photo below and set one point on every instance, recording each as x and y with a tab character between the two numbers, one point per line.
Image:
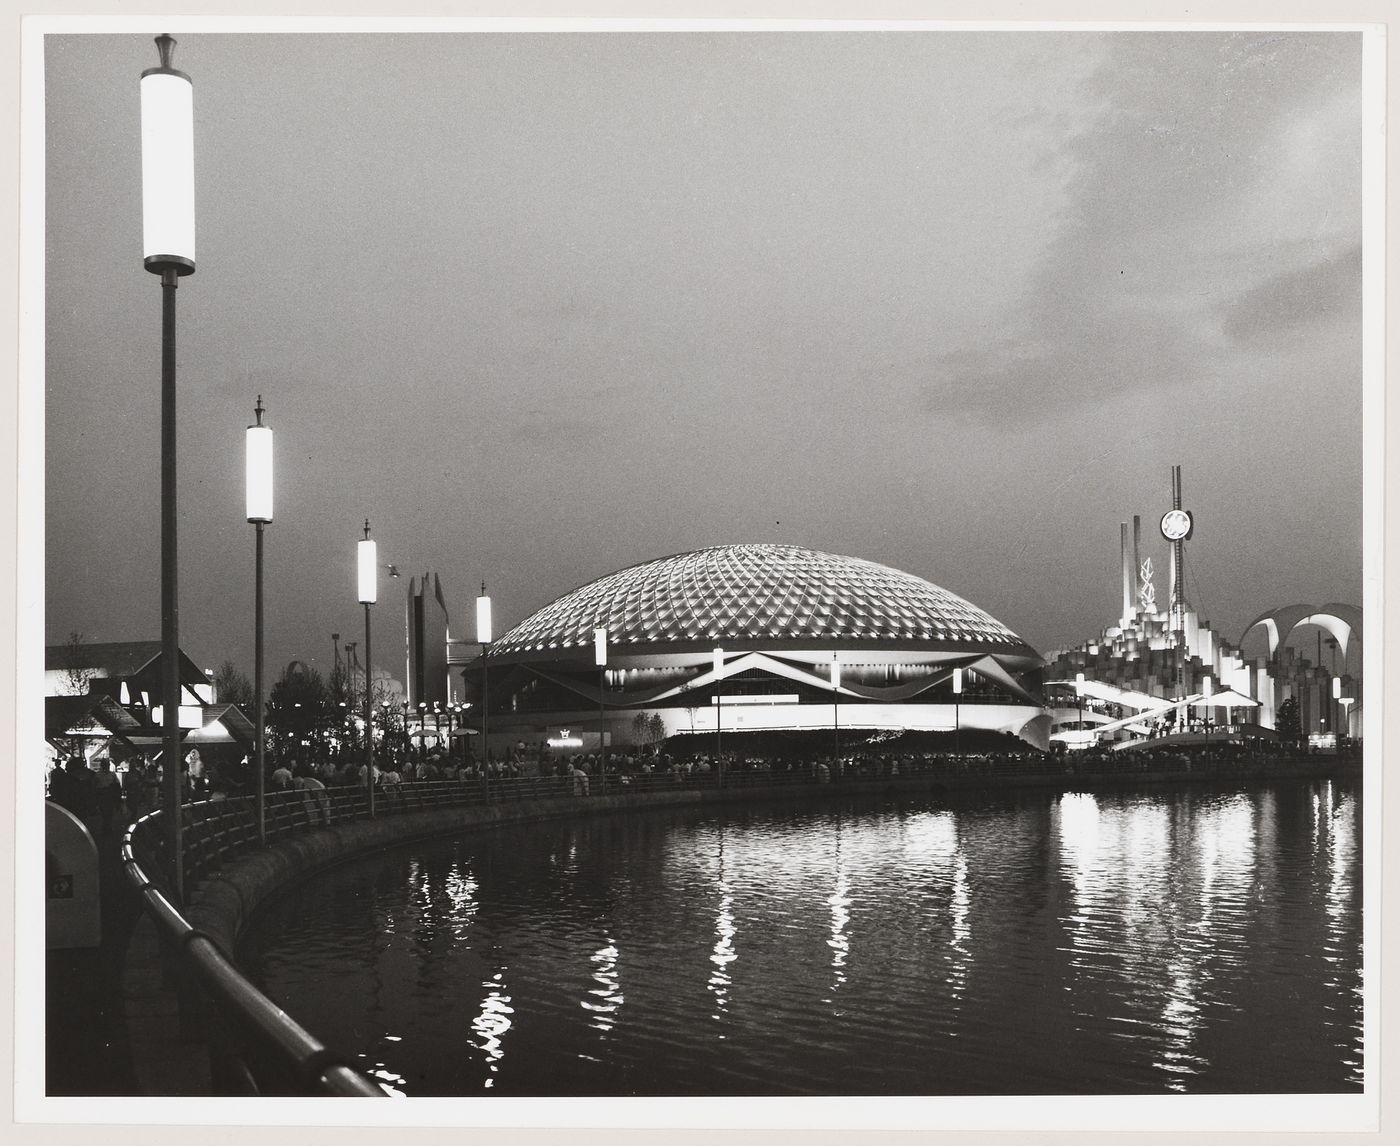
758	637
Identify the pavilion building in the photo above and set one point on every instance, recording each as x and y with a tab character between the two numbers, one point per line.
760	637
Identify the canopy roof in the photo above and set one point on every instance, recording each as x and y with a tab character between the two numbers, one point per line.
758	596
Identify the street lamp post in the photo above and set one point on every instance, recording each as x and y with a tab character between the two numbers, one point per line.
259	507
1336	699
350	660
835	713
600	658
1079	696
1208	687
719	712
957	712
483	636
369	590
167	195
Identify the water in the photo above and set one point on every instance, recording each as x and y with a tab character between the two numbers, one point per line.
1203	939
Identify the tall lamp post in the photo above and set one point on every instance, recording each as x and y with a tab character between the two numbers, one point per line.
167	199
957	712
259	505
483	637
600	658
1208	688
1079	696
1336	699
835	712
719	708
369	590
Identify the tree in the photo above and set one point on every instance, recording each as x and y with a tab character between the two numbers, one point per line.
1286	722
77	672
232	686
298	708
656	729
648	729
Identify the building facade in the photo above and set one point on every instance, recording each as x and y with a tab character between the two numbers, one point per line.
760	637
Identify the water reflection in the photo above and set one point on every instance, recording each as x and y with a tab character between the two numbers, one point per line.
607	995
491	1024
1162	907
960	946
723	954
1341	858
1196	939
839	901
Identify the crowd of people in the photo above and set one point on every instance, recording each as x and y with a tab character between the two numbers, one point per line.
107	799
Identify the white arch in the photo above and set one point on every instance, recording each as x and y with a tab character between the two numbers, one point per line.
1340	621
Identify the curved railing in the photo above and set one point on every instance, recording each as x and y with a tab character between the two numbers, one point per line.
263	1050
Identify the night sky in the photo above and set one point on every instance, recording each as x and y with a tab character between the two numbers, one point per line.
541	306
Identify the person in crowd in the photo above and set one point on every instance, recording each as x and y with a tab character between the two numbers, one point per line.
107	793
580	781
58	785
313	797
195	778
281	777
151	776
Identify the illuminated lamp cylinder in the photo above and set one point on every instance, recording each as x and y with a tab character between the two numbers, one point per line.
167	165
368	558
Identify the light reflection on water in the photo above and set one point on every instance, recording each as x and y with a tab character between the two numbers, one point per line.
1201	939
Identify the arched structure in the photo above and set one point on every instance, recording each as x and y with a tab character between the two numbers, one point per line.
783	616
1341	621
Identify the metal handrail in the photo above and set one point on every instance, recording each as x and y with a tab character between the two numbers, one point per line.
310	1063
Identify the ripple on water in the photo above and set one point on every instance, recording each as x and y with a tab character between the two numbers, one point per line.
1120	943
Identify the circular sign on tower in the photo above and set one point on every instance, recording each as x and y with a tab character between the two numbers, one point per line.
1177	525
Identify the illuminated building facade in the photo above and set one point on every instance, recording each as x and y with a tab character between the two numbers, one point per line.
758	637
1160	663
426	625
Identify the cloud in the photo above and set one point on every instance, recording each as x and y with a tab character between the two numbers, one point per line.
1203	174
1324	292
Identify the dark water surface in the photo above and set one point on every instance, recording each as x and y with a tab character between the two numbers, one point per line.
1201	939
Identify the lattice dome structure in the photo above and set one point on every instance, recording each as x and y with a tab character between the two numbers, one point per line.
764	636
738	595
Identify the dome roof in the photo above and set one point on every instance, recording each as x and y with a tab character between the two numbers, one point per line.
758	595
